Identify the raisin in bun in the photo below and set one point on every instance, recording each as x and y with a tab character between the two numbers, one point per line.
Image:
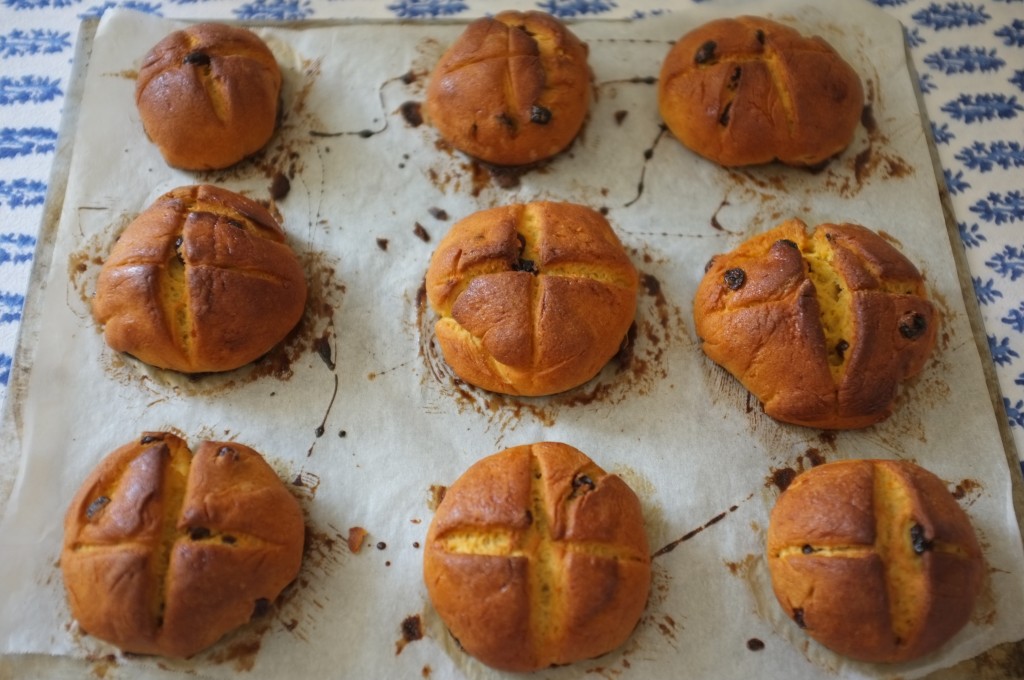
537	557
200	281
821	327
874	559
512	89
165	551
746	91
533	298
209	95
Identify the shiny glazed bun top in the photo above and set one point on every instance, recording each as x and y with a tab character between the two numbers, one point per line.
512	89
201	281
821	326
748	90
209	96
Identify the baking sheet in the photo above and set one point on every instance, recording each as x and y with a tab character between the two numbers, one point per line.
359	413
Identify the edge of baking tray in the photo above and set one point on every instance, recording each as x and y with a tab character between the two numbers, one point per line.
1001	661
11	420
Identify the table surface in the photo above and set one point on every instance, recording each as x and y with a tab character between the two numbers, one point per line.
969	57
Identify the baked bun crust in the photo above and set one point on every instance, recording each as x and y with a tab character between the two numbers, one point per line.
747	91
533	299
821	327
209	96
874	559
165	552
200	281
537	557
512	89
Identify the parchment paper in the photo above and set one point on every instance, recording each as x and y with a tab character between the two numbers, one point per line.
359	414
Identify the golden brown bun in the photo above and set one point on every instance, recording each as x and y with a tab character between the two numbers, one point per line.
874	559
165	552
821	327
209	95
200	281
748	90
534	299
537	557
513	89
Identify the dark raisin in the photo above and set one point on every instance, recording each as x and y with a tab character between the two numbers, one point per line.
912	325
198	533
197	59
581	484
841	348
229	539
724	118
755	645
96	506
918	540
830	237
710	263
705	53
381	545
735	278
260	607
798	616
760	36
807	549
150	438
734	79
438	213
787	242
524	265
540	115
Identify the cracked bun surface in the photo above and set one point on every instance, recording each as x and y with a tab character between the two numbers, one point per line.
747	91
533	299
165	551
201	281
537	557
209	95
822	327
874	559
513	89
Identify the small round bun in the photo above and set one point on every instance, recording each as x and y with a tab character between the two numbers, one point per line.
511	90
201	281
537	557
533	298
209	96
166	551
874	559
822	327
747	91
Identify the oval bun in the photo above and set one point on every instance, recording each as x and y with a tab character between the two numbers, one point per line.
209	96
511	90
748	90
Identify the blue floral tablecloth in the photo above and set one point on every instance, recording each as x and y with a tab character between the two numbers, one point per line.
969	56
